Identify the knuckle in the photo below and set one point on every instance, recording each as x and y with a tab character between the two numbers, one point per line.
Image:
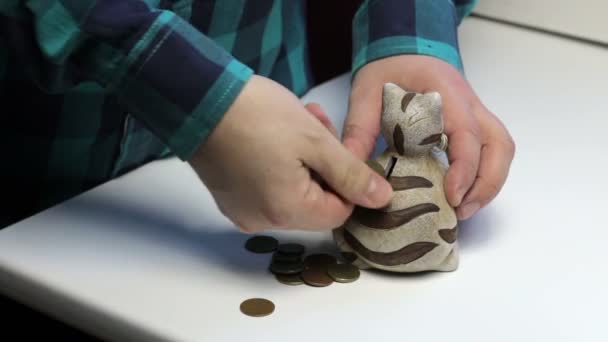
490	187
510	146
222	210
331	222
471	168
329	219
357	132
353	178
479	107
310	197
317	138
351	129
473	134
244	226
276	214
464	140
338	221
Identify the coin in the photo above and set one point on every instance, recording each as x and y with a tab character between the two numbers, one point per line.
374	165
349	257
316	277
289	279
289	258
286	267
261	244
291	248
343	273
257	307
319	260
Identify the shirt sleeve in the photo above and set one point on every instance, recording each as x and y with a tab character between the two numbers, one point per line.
170	76
383	28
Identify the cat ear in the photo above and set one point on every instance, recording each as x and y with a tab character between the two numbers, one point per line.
390	88
434	97
434	105
392	95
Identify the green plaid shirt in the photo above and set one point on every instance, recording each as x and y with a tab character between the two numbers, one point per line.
94	88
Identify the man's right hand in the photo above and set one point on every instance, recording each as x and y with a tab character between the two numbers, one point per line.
258	163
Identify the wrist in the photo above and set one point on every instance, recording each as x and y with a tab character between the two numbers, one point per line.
417	73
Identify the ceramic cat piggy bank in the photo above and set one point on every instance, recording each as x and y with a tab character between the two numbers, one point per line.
418	230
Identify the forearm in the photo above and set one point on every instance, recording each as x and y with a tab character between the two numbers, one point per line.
169	75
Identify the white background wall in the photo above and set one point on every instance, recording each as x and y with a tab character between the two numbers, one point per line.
582	18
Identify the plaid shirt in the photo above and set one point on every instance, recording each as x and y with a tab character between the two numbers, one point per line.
94	88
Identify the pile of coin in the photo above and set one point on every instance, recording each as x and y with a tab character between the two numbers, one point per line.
290	266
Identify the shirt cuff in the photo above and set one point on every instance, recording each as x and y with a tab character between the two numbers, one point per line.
464	8
384	28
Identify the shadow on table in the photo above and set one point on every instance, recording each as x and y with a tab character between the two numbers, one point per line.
479	231
217	242
220	243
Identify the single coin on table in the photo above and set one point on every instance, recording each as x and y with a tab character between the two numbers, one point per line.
291	248
316	277
343	273
261	244
257	307
289	279
319	260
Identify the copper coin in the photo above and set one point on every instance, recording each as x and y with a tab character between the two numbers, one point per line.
319	260
261	244
343	273
291	248
349	257
286	267
257	307
316	277
374	165
289	279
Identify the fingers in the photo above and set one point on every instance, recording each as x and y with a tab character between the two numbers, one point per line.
346	175
362	124
318	112
325	209
312	209
464	154
496	157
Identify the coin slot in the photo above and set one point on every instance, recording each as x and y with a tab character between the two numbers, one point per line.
391	166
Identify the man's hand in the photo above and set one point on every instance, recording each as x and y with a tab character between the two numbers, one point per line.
480	147
259	164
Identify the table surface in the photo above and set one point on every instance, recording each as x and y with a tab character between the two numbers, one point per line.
149	257
582	18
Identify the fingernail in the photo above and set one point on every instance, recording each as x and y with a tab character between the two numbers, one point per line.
468	210
378	191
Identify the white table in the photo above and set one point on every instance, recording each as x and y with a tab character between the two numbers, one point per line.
148	256
582	18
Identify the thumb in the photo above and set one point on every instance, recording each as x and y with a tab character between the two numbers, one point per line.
348	176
